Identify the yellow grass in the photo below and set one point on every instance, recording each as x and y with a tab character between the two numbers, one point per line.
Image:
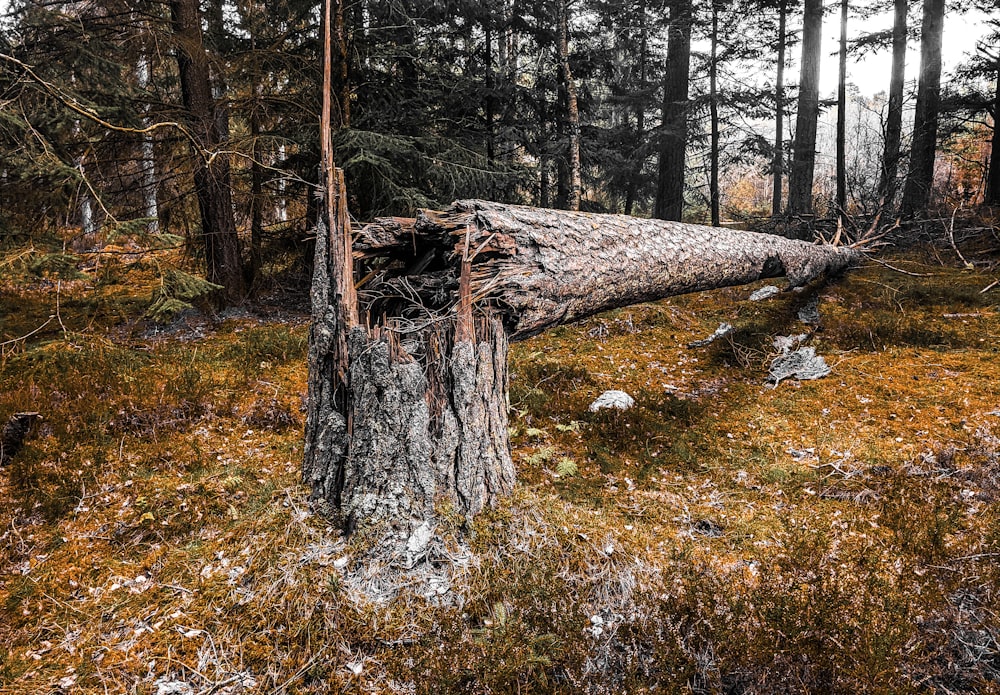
839	535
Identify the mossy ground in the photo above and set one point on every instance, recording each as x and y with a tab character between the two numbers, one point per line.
840	535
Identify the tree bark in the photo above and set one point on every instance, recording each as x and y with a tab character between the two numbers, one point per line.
993	178
147	162
800	183
423	428
418	417
539	269
713	103
920	176
490	88
894	118
343	66
334	306
673	143
256	191
212	173
842	115
778	163
568	86
640	115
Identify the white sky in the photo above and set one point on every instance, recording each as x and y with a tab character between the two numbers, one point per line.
961	32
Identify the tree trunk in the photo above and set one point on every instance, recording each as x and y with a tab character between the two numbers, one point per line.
334	313
640	115
425	427
544	268
567	84
842	115
412	413
673	142
778	163
713	103
147	162
993	179
490	88
800	182
343	66
211	175
256	191
920	176
894	118
85	202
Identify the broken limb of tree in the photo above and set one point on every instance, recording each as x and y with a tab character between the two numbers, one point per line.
542	268
423	418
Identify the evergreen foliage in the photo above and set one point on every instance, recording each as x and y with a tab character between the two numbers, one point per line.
447	100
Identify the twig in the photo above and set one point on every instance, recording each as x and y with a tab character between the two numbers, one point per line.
28	335
283	687
951	238
900	270
989	287
58	315
81	110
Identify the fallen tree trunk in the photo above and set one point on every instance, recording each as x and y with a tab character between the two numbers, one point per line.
424	421
543	268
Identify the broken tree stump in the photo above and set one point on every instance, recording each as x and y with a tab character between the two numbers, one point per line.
417	414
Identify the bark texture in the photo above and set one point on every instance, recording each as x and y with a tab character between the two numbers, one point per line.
408	406
713	108
778	163
542	268
888	184
426	429
422	422
568	86
673	140
993	178
211	173
842	115
800	182
920	176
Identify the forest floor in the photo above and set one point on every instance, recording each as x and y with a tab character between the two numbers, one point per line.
724	535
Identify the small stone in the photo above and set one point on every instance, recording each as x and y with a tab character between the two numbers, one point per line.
809	314
420	538
763	293
164	687
722	331
618	400
803	364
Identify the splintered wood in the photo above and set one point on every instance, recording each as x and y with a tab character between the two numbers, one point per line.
542	268
408	378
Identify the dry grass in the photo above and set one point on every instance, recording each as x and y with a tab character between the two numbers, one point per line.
840	535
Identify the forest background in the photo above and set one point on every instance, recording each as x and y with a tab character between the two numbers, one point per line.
158	169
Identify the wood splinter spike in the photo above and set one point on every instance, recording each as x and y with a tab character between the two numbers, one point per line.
408	406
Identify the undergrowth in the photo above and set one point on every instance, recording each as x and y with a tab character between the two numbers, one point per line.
723	535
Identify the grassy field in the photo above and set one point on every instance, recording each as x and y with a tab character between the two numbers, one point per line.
724	535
